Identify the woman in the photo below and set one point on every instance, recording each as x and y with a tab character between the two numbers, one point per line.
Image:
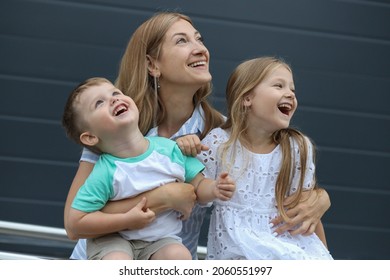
165	69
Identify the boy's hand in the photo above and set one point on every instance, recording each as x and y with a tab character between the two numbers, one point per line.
225	187
190	145
139	216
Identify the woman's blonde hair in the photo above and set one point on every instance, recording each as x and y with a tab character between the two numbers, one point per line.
135	81
240	84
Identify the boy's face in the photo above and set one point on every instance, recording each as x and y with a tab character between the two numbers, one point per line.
106	110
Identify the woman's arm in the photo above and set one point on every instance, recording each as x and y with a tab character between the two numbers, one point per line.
307	214
320	231
178	196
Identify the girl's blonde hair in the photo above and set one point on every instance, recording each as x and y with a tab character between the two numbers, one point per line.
240	84
135	81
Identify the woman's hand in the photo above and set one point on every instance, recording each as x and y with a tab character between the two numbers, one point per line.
181	197
306	215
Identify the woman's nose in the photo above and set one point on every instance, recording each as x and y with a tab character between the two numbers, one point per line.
200	48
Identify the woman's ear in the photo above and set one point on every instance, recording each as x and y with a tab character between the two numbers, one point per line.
152	67
247	101
89	139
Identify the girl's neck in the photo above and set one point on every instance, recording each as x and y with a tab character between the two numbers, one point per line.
259	143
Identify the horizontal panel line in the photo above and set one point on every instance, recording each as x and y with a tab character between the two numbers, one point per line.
383	154
248	23
367	3
356	228
31	201
29	120
344	112
57	40
297	30
39	161
36	80
229	21
356	190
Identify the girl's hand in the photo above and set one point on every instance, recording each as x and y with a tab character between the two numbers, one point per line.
225	187
306	215
190	145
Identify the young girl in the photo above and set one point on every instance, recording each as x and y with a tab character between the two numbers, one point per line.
269	162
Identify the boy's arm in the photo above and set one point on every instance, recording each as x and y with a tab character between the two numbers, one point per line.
208	190
99	223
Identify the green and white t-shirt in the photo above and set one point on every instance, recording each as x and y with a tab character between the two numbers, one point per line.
116	178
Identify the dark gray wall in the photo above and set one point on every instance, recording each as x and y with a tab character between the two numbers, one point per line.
339	50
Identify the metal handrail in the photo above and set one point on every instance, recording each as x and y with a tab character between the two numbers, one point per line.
18	256
29	230
44	232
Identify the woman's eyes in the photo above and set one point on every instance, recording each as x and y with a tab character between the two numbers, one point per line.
183	40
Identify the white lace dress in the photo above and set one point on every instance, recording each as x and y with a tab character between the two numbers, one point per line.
239	228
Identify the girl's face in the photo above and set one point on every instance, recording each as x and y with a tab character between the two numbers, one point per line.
272	102
184	59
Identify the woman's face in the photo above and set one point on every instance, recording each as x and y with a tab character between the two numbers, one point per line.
184	59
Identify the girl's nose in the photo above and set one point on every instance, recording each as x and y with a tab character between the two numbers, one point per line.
290	94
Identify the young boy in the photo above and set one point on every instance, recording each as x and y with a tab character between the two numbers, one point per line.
100	117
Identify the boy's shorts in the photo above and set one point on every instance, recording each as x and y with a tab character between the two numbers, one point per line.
97	248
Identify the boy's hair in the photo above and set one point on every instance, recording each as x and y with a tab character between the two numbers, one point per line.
73	123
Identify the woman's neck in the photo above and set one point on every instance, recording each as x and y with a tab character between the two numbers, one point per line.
178	110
